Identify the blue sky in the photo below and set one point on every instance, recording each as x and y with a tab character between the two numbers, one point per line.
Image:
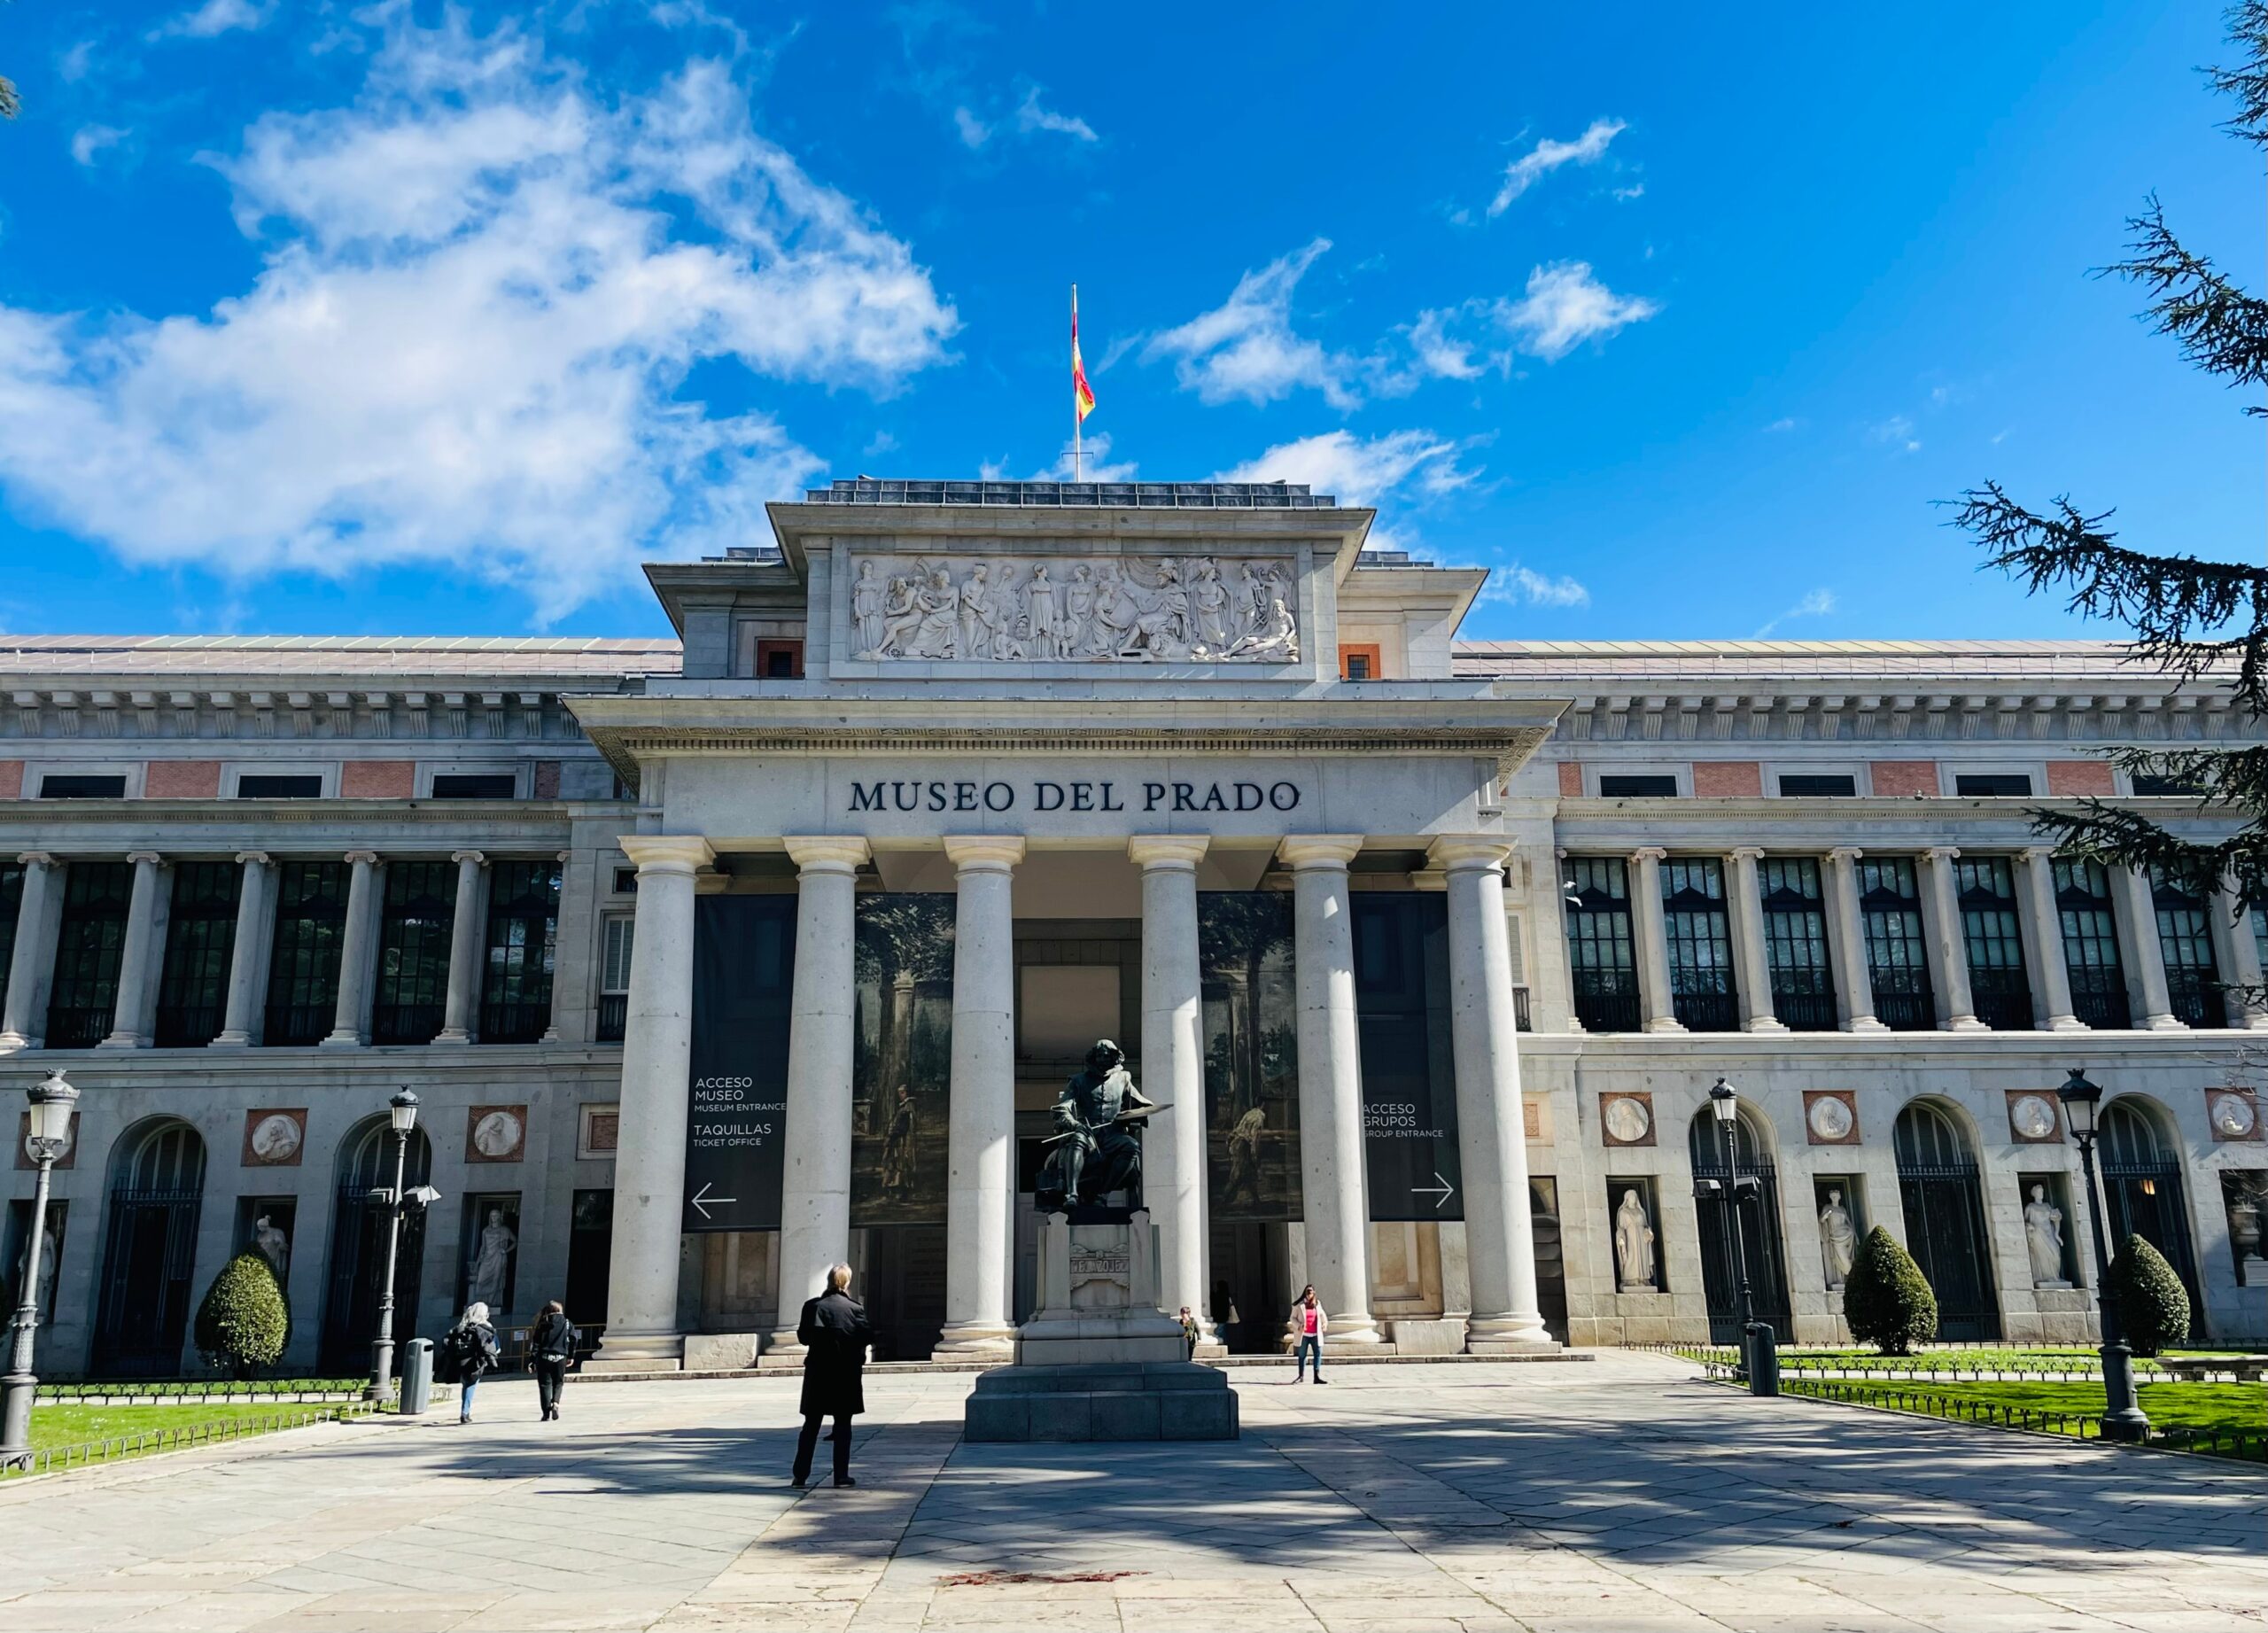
399	318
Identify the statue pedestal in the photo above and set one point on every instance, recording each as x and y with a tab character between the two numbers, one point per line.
1098	1360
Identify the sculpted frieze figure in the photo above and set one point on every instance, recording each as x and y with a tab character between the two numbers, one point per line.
1137	610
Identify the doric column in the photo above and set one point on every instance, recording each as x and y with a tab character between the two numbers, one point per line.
1330	1081
461	1010
980	1130
815	1148
31	965
1492	1127
1658	1003
240	1022
351	1026
1750	955
2138	908
1173	1066
135	1014
2240	958
1846	932
2043	945
657	1061
1947	947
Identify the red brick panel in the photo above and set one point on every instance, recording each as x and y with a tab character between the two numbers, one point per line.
11	779
1570	780
378	779
2073	778
182	780
1894	778
1727	780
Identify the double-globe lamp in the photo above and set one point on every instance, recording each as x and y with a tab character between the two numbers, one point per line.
47	1136
2123	1417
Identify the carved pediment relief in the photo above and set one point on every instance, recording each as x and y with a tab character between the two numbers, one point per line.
1055	608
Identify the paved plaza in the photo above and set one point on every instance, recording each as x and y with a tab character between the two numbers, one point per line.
1618	1494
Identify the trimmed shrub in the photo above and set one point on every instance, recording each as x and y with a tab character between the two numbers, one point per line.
2153	1305
245	1321
1886	1299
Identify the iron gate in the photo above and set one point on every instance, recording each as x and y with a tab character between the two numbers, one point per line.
148	1254
1945	1231
1760	1240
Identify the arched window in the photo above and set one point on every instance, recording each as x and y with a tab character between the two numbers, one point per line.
2130	1137
1758	1233
1927	1137
2143	1180
157	1186
1944	1219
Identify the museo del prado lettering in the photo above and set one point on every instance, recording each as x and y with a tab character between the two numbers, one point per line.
1043	793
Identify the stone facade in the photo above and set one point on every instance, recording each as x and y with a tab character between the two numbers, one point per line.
1081	800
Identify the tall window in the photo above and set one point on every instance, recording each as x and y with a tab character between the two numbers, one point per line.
1795	943
1985	887
1898	959
2091	946
2192	980
303	968
614	976
1602	959
88	946
414	929
11	902
1702	992
523	936
200	935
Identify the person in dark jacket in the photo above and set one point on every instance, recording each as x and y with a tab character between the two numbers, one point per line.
834	1333
472	1343
551	1350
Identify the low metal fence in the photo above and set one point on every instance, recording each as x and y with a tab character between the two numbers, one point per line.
144	1443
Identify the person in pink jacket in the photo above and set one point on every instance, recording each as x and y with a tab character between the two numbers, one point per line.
1308	1325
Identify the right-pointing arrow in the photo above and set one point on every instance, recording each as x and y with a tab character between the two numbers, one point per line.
1441	1196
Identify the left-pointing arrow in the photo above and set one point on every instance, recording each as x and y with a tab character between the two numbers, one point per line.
702	1199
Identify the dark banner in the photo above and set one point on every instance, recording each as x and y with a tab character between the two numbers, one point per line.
903	1066
1251	1058
1402	1013
743	975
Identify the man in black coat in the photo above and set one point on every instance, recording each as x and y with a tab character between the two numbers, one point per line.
834	1333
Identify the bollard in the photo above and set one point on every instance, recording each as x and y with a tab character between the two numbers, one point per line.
416	1377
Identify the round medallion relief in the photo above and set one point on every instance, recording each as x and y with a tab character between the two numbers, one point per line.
2031	1116
1830	1118
2233	1116
496	1135
276	1137
1627	1120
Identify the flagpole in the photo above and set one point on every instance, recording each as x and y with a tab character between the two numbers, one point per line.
1076	422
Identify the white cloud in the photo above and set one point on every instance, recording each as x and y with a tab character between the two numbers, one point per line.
1548	155
72	65
1818	603
1782	423
1358	471
1897	431
88	140
483	289
1095	464
1518	584
1032	118
974	131
215	17
1567	305
1246	347
1624	195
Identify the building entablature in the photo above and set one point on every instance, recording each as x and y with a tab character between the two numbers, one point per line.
1816	826
287	827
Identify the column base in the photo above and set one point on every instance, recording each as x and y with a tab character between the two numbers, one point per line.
2254	1023
124	1040
976	1341
10	1042
1665	1023
453	1034
342	1040
638	1352
1864	1023
1762	1024
1357	1333
2067	1023
231	1040
2164	1023
1966	1023
1508	1334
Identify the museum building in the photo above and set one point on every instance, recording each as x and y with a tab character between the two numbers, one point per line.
717	960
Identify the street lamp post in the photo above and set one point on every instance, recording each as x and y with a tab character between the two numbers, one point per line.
2122	1417
1759	1343
52	1103
401	1112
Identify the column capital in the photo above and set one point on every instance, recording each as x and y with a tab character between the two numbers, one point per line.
367	857
138	856
1303	851
462	857
2037	854
1845	853
1460	852
563	857
1167	850
1745	853
36	859
1942	852
1649	853
259	858
826	852
667	853
967	850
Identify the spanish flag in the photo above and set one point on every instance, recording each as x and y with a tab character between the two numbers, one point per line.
1083	396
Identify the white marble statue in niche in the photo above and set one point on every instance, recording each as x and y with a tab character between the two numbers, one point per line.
2043	1239
1134	609
1634	1245
1838	1239
492	1263
269	1241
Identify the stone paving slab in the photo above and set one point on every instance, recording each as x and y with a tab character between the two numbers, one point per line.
1623	1494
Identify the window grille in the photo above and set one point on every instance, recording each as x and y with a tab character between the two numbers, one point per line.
2193	978
88	944
1898	958
1637	787
412	986
1985	888
201	937
1600	956
1702	992
2091	946
73	785
303	964
261	785
1795	944
480	785
1819	787
522	944
614	976
1993	785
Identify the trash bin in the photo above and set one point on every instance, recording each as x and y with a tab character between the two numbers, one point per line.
416	1376
1763	1357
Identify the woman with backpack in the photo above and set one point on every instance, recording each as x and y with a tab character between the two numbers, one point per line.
551	1348
473	1349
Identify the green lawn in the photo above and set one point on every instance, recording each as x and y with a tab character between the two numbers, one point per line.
2170	1405
55	1426
2002	1358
